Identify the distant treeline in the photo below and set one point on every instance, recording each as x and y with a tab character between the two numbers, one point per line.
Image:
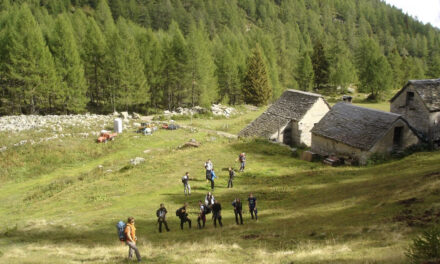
69	56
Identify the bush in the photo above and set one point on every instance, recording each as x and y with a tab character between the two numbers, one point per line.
426	247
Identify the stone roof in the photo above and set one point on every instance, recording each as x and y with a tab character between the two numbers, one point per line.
292	105
428	90
355	126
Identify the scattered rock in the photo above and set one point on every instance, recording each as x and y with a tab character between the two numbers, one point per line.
137	161
137	124
147	151
3	149
125	115
222	110
136	116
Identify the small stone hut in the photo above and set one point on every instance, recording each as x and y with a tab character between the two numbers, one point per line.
290	119
358	132
419	102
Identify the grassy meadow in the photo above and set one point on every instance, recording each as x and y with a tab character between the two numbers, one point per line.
58	205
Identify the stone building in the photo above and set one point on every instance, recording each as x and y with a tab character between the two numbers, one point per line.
419	102
358	132
290	119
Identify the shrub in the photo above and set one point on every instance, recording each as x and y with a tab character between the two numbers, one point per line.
426	247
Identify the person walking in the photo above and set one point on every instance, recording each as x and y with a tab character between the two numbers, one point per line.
202	215
253	206
161	217
186	186
216	213
242	160
130	239
231	177
183	215
238	210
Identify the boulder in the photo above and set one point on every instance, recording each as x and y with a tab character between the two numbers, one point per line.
137	161
125	115
136	116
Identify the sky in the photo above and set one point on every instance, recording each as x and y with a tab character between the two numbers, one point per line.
426	11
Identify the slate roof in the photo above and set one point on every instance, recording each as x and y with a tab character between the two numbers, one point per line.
292	105
355	126
428	90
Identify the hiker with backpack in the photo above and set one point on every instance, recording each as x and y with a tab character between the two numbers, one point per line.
242	160
238	210
182	213
186	187
216	213
253	206
208	168
130	239
161	217
202	214
231	177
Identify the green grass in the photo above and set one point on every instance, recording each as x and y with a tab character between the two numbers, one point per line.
57	206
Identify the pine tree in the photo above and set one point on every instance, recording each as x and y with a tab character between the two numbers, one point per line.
374	70
72	95
202	68
29	67
320	65
256	87
305	72
94	62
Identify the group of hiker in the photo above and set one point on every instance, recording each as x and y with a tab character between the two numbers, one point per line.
210	205
127	232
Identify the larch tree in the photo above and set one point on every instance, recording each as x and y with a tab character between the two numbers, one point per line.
62	44
256	87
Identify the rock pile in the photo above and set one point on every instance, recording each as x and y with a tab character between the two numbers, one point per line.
222	110
216	109
55	123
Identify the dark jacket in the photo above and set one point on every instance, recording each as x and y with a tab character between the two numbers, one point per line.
216	208
231	174
183	214
161	213
237	206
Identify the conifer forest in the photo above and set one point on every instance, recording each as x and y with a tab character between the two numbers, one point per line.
76	56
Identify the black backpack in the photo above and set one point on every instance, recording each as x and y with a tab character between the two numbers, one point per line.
178	212
206	210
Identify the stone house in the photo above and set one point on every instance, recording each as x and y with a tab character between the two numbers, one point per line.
290	119
358	132
419	102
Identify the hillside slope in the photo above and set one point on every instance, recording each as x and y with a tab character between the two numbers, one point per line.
58	206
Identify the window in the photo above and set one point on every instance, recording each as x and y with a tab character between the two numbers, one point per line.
409	97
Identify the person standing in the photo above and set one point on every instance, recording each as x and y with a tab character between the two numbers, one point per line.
130	239
161	217
186	186
238	210
242	159
231	177
208	168
213	176
209	200
253	206
183	215
216	213
202	215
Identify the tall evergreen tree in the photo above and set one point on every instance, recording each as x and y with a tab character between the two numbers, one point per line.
320	65
72	95
202	67
256	86
374	70
305	72
29	68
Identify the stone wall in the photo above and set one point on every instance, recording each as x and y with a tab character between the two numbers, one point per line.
325	146
313	116
386	143
415	113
